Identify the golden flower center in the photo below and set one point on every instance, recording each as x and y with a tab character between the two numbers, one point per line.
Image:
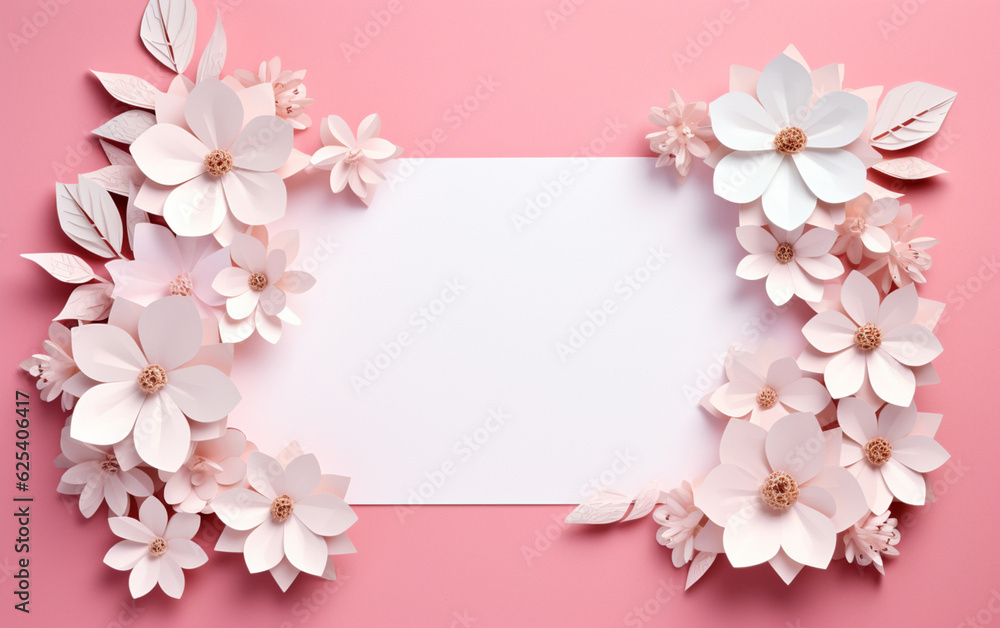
152	378
181	285
282	507
780	491
878	451
218	162
767	397
110	464
158	547
868	337
784	253
257	282
790	140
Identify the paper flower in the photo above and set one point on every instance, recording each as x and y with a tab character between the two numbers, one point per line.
294	519
219	166
96	475
787	151
166	265
147	389
781	495
256	287
680	522
908	259
888	455
215	466
156	550
289	91
875	342
867	540
685	134
354	162
795	262
56	367
863	228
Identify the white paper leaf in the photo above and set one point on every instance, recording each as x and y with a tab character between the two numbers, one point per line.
116	179
699	565
876	191
601	507
133	215
645	501
908	168
89	302
117	156
101	209
910	114
126	127
76	223
214	55
168	32
63	266
129	89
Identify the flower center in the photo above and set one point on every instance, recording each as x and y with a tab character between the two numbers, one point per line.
218	162
181	285
353	155
686	131
257	282
767	397
152	378
784	253
158	547
878	451
110	464
858	226
868	337
780	491
790	140
282	507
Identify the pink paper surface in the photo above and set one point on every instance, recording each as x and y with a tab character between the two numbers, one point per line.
460	79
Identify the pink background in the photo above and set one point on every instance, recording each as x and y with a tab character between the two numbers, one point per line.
455	566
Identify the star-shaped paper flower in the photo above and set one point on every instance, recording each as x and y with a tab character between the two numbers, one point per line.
55	368
907	259
680	522
97	476
215	466
219	166
795	262
875	342
155	549
867	540
888	455
685	134
147	388
354	162
781	495
289	91
294	519
788	150
863	230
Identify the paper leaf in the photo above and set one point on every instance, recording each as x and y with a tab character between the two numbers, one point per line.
133	215
115	178
214	55
168	32
910	114
75	222
126	127
601	507
699	565
645	501
909	168
101	209
129	89
63	266
876	191
117	156
89	302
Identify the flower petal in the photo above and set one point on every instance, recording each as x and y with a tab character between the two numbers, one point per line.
892	382
785	89
182	526
920	453
755	539
302	476
170	577
804	394
125	554
232	281
756	266
304	549
756	240
857	418
153	515
729	495
740	123
895	422
170	331
214	113
203	393
795	444
860	299
742	445
197	207
845	373
162	435
326	515
168	154
808	536
242	509
912	345
186	553
263	145
788	201
131	529
255	198
107	353
830	331
906	485
266	475
334	130
835	120
742	177
846	493
265	546
832	174
143	577
105	414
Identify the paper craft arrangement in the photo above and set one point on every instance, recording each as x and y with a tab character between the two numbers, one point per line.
816	449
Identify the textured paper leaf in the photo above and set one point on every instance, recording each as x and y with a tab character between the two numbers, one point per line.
129	89
645	501
133	215
101	209
876	191
126	127
909	168
600	508
699	565
214	55
117	156
910	114
75	222
63	266
168	32
89	302
115	178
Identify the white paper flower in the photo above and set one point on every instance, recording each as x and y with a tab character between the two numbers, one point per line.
155	549
680	522
215	466
55	369
795	262
351	161
787	151
97	476
872	536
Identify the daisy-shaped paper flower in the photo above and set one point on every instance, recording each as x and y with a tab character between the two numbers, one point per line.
219	166
55	368
147	389
95	474
875	342
888	455
167	265
685	134
781	495
215	466
867	540
155	549
256	287
787	150
908	259
289	91
293	520
680	522
354	162
766	391
795	262
864	228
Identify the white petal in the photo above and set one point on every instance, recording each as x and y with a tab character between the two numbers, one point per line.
214	113
105	414
242	509
170	577
125	554
143	577
785	89
740	123
302	477
808	536
186	553
169	155
919	452
131	529
263	145
857	419
255	198
742	177
304	549
906	485
830	331
860	298
170	331
835	120
795	445
753	540
153	515
832	174
845	373
162	435
265	546
197	207
756	240
912	345
202	392
788	201
891	381
326	515
107	353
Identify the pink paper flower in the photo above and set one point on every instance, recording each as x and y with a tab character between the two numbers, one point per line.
685	134
795	262
888	455
96	475
55	368
148	389
214	467
219	166
875	342
680	522
293	520
354	162
289	91
167	265
908	259
256	287
863	230
156	550
781	495
867	540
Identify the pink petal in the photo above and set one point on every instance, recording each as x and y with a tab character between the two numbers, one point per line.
131	529
735	399
105	414
334	130
370	127
162	435
824	267
243	305
170	331
153	515
808	536
804	394
125	554
815	242
197	207
845	373
202	392
912	345
857	419
214	113
302	476
143	577
156	244
170	577
729	495
340	544
377	148
876	240
898	308
263	145
795	444
266	475
186	553
107	353
257	100
232	330
255	198
846	492
242	509
296	281
265	546
115	496
249	253
805	286
329	156
895	422
269	327
169	155
284	574
755	539
779	284
851	452
304	549
830	331
203	274
232	281
920	453
742	445
906	485
754	267
785	567
326	515
891	381
181	526
860	299
817	498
